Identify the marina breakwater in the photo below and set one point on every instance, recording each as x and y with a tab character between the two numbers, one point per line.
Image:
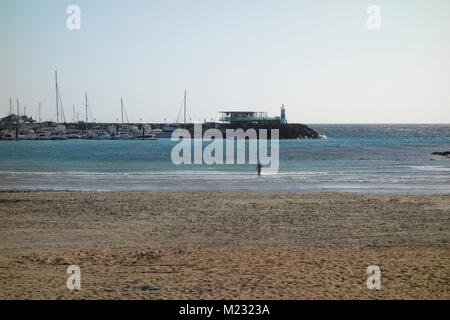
285	131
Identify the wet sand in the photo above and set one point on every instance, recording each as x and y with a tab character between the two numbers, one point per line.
221	245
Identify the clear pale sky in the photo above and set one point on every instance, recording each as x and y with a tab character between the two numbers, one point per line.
316	57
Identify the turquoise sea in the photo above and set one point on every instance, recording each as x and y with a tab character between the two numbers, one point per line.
396	158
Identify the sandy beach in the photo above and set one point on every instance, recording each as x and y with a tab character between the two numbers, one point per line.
221	245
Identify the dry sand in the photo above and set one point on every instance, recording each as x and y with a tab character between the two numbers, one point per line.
141	245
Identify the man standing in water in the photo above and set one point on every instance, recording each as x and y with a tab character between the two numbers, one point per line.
259	167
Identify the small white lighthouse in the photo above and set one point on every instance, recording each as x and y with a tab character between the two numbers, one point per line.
283	115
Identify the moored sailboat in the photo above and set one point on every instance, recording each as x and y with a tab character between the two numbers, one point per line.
59	135
167	130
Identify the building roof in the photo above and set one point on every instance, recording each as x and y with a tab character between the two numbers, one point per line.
10	117
242	112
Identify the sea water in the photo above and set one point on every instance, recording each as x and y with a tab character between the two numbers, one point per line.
353	158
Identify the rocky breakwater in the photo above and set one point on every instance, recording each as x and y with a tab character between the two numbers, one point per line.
286	131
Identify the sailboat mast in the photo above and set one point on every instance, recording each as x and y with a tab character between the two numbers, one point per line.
18	111
185	99
39	112
57	102
10	106
121	107
86	108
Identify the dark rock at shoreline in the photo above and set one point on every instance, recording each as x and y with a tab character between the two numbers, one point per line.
443	154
